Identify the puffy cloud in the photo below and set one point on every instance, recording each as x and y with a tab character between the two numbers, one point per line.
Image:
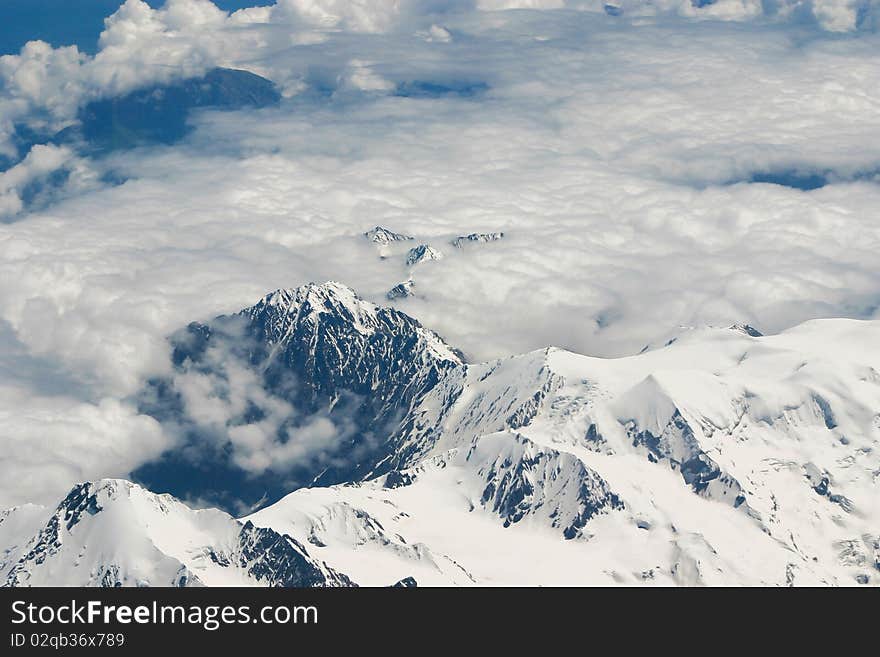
500	5
44	86
839	15
437	33
51	442
226	405
355	15
46	173
361	77
140	45
40	162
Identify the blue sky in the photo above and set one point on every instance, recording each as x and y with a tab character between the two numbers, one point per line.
70	22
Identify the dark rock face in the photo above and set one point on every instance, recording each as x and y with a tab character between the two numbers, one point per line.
397	479
81	500
421	253
159	114
154	115
279	560
527	480
338	345
748	330
821	483
524	415
400	291
325	353
111	579
48	543
678	445
827	414
405	583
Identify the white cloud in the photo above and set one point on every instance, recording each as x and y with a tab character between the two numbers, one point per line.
39	162
361	77
437	33
227	402
51	442
355	15
140	45
500	5
256	449
838	15
44	87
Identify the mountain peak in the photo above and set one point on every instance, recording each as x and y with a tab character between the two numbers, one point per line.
328	297
334	303
476	238
328	289
401	290
384	236
422	253
113	532
748	329
321	357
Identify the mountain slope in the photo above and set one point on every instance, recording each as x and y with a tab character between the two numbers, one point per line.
159	114
115	533
724	457
300	364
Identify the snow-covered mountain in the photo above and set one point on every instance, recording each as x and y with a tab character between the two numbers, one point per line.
314	354
401	290
422	253
115	533
476	238
722	457
337	341
386	239
383	236
395	247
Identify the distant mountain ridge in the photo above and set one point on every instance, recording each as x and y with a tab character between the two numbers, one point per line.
159	114
156	115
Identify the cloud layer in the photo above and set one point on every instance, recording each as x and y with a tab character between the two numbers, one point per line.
614	152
